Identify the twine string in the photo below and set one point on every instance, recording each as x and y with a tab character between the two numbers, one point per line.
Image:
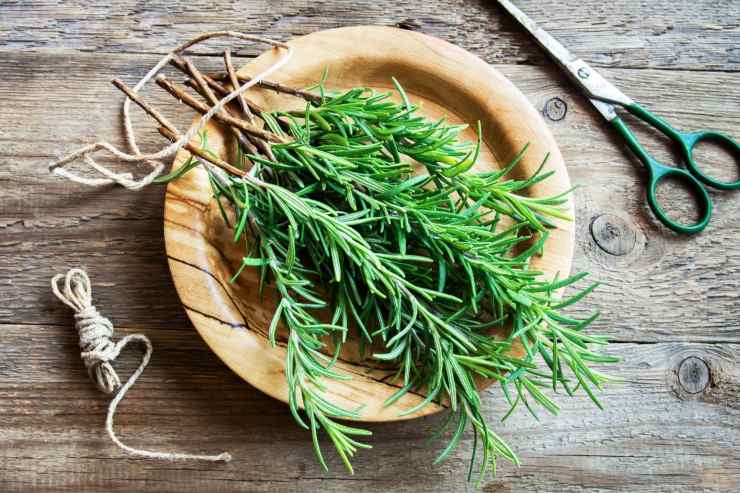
154	160
97	348
98	352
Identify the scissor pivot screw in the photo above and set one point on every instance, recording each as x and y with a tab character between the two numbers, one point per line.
584	73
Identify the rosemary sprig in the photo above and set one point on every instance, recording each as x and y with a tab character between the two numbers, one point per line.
336	220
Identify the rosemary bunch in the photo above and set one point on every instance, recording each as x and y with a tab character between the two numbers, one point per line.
370	212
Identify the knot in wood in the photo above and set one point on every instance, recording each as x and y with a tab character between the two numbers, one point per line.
555	109
613	234
694	375
408	24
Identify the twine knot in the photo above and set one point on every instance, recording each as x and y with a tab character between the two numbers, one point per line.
95	331
99	351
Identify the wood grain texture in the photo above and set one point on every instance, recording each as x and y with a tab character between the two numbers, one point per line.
666	299
647	439
656	34
48	224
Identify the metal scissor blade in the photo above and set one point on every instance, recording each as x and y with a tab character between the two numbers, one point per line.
590	81
551	45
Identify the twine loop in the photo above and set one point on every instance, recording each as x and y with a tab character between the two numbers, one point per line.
133	154
95	331
98	351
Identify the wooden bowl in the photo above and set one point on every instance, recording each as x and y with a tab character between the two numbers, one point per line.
449	82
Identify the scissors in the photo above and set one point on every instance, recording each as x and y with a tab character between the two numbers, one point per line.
605	97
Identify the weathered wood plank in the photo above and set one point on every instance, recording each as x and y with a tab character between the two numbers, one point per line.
695	279
652	435
48	224
662	34
655	434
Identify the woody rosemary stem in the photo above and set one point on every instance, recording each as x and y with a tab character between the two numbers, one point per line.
206	156
169	131
179	93
205	85
234	80
273	86
150	110
210	96
419	264
179	63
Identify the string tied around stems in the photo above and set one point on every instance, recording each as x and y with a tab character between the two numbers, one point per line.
154	160
98	352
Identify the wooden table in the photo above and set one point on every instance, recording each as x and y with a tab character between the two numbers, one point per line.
669	304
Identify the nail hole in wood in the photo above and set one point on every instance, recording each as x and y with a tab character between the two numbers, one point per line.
613	234
555	109
693	375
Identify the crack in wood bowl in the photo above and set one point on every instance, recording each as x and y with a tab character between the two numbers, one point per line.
449	82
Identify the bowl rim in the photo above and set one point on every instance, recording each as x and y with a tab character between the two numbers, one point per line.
487	88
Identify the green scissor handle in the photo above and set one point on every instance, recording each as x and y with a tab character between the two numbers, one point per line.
687	141
693	177
658	172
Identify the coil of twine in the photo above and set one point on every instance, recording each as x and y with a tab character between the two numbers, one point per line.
98	352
